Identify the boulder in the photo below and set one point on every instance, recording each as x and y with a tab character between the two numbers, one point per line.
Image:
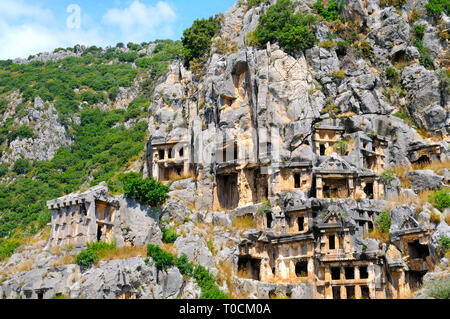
424	180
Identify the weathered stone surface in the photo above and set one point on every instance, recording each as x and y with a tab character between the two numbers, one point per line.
424	180
139	223
196	249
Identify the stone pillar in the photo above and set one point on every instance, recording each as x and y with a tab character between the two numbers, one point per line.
92	222
319	187
351	190
357	292
357	275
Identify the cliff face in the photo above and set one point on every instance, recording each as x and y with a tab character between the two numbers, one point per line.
315	135
253	95
283	168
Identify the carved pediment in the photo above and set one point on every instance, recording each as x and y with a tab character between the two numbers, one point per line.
409	223
335	163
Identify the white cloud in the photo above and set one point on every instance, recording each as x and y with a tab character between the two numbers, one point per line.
28	29
141	22
17	9
20	41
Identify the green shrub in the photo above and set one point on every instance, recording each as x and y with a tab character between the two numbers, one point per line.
147	191
112	93
93	253
4	169
440	199
22	166
331	13
197	39
419	31
207	283
265	206
280	24
440	289
444	243
384	221
163	260
87	258
436	7
22	132
388	175
169	236
341	146
128	56
7	248
3	105
185	267
392	76
366	49
101	246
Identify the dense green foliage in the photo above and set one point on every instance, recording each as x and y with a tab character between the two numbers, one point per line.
197	39
185	267
384	221
440	199
436	7
7	247
92	74
147	191
22	132
331	13
169	235
87	257
163	260
280	24
102	146
206	281
444	243
22	166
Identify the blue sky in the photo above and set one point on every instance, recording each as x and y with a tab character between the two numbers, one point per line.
31	26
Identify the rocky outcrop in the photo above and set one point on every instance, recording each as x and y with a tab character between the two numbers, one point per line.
50	134
132	278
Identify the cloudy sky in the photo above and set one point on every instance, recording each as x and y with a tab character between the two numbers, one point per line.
31	26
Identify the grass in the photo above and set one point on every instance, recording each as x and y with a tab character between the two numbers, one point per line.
244	222
437	166
419	200
440	289
378	235
435	218
124	253
174	177
23	266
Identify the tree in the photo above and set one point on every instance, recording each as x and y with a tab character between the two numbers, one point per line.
22	166
197	39
147	191
384	221
280	24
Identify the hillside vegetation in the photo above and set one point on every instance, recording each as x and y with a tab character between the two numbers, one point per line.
102	145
